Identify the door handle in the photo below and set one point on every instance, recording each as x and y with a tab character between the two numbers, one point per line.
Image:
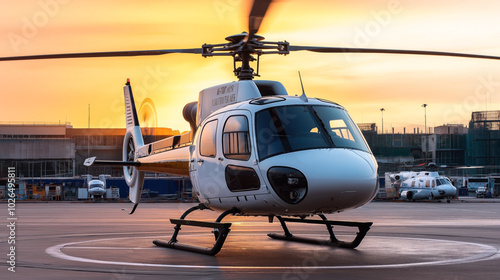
201	160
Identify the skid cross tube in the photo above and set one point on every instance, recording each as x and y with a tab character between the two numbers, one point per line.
363	229
221	230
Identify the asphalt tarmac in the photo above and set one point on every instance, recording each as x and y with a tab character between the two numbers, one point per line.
422	240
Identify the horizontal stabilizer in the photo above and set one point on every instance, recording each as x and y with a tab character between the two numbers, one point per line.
93	161
89	161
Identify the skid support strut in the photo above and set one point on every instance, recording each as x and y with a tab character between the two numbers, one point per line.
363	229
221	230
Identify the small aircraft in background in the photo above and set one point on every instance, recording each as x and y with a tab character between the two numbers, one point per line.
96	188
423	185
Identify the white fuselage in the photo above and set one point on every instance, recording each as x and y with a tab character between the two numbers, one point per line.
232	163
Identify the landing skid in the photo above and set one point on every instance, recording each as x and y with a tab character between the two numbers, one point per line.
363	229
221	230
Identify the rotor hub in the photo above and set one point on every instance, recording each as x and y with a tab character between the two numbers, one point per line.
236	38
242	47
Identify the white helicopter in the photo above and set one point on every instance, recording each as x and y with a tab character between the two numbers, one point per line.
254	150
96	188
423	185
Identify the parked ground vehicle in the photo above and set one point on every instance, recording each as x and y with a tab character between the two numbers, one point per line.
483	192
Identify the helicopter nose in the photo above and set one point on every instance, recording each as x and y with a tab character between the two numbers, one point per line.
450	191
327	180
345	179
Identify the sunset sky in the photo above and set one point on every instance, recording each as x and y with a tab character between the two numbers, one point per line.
60	90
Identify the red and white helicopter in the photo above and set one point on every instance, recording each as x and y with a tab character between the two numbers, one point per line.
253	149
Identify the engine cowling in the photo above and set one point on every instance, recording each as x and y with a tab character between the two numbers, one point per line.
189	113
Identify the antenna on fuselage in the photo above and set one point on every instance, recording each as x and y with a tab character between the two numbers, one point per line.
303	97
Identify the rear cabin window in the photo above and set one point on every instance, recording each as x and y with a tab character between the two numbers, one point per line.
236	139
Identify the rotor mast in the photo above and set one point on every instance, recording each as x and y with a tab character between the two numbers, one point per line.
245	72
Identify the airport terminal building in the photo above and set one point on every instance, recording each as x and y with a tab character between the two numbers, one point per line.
59	150
451	145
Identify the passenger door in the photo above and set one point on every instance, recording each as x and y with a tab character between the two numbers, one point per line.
238	155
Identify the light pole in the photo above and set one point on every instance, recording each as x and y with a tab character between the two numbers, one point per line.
382	111
425	116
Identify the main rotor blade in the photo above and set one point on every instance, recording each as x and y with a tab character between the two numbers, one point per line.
257	13
101	54
387	51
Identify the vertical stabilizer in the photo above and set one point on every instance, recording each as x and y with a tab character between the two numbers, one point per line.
104	178
131	144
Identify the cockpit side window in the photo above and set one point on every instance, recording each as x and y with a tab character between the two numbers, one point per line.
208	139
445	181
341	128
235	138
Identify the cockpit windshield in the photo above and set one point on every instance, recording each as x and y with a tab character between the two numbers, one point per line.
441	181
287	129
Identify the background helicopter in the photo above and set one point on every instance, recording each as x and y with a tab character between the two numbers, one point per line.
96	188
353	184
423	185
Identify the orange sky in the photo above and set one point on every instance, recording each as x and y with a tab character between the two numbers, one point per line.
60	90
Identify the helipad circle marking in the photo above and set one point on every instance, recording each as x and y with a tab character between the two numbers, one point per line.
488	253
